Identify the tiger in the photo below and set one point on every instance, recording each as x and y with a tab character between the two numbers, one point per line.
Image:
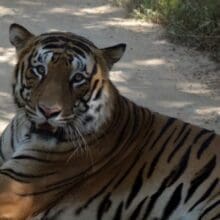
77	149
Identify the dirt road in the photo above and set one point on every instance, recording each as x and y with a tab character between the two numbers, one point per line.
160	75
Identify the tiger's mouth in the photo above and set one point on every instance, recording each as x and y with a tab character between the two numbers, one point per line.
46	131
46	127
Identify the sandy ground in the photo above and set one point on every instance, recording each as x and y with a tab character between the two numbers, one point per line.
155	73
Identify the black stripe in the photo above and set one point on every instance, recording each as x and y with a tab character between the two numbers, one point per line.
205	145
12	136
13	89
54	216
173	202
83	46
136	186
169	122
14	177
104	206
29	63
98	108
22	69
35	52
37	193
85	106
181	167
210	208
159	154
47	212
16	71
135	214
1	152
55	58
179	145
206	194
200	134
23	95
45	215
50	152
155	197
181	132
54	39
99	93
91	199
88	119
16	101
217	217
54	46
201	176
24	175
79	51
33	74
21	91
28	157
94	70
118	212
93	88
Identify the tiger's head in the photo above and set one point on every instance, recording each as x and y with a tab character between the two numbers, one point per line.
61	80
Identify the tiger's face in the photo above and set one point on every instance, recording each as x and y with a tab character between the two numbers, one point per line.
61	81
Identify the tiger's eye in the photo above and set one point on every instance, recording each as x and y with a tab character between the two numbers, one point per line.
40	69
78	77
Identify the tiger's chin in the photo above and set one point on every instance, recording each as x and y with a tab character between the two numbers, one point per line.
47	131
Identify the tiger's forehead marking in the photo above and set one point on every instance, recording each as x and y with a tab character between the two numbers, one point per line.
44	55
78	50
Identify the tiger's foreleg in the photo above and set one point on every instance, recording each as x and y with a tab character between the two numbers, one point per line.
13	205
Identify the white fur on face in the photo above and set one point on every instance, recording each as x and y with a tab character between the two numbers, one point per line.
99	110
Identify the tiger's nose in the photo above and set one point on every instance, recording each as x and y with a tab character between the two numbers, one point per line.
50	111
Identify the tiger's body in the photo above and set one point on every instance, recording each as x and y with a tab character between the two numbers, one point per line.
77	149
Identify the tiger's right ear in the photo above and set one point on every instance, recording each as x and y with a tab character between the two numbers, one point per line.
19	36
113	54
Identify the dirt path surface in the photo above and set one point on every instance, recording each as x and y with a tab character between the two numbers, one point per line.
155	73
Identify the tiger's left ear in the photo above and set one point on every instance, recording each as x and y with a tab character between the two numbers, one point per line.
113	54
19	36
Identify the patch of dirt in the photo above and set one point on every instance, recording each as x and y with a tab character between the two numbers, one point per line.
154	72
